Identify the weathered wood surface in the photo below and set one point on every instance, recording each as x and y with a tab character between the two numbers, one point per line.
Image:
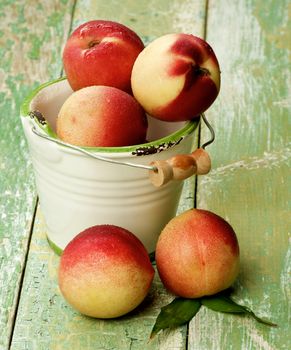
30	39
248	185
250	181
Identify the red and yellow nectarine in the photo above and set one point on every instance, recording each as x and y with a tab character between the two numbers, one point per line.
176	77
197	254
101	52
105	272
101	116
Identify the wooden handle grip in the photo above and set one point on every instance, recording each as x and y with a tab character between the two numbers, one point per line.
180	167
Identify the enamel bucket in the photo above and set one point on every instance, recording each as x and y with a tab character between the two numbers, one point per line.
77	191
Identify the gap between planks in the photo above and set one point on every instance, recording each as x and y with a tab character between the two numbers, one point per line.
23	272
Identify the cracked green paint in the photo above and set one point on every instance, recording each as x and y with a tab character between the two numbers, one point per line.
22	66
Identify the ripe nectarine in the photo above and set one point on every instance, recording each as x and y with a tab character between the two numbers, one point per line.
101	52
105	272
176	77
197	254
101	116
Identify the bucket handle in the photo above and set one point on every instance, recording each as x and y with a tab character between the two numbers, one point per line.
182	166
179	167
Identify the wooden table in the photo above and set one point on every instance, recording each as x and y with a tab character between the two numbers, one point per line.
249	184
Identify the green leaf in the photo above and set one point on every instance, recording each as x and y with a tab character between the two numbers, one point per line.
223	303
175	314
152	256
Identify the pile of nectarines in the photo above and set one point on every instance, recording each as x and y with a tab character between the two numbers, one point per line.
175	78
105	271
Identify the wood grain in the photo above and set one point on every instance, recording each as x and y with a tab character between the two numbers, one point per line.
30	42
249	184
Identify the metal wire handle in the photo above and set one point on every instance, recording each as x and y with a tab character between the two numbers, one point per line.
81	150
210	128
110	160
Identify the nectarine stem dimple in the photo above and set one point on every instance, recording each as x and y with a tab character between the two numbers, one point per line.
200	70
93	43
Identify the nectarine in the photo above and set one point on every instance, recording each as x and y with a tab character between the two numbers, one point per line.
101	52
197	254
101	116
105	272
176	77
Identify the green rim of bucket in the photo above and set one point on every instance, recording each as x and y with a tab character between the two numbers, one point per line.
169	140
54	247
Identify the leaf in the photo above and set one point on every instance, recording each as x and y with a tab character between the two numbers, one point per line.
175	314
152	257
223	303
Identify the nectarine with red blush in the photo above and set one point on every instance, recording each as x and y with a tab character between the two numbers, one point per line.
197	254
101	116
101	52
105	272
176	77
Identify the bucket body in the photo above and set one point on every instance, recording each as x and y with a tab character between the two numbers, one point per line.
77	191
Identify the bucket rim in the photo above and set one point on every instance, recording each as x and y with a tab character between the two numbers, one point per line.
147	148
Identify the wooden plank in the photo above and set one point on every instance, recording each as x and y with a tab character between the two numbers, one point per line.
31	36
250	181
44	319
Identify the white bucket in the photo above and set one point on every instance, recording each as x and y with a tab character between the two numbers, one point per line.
77	191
